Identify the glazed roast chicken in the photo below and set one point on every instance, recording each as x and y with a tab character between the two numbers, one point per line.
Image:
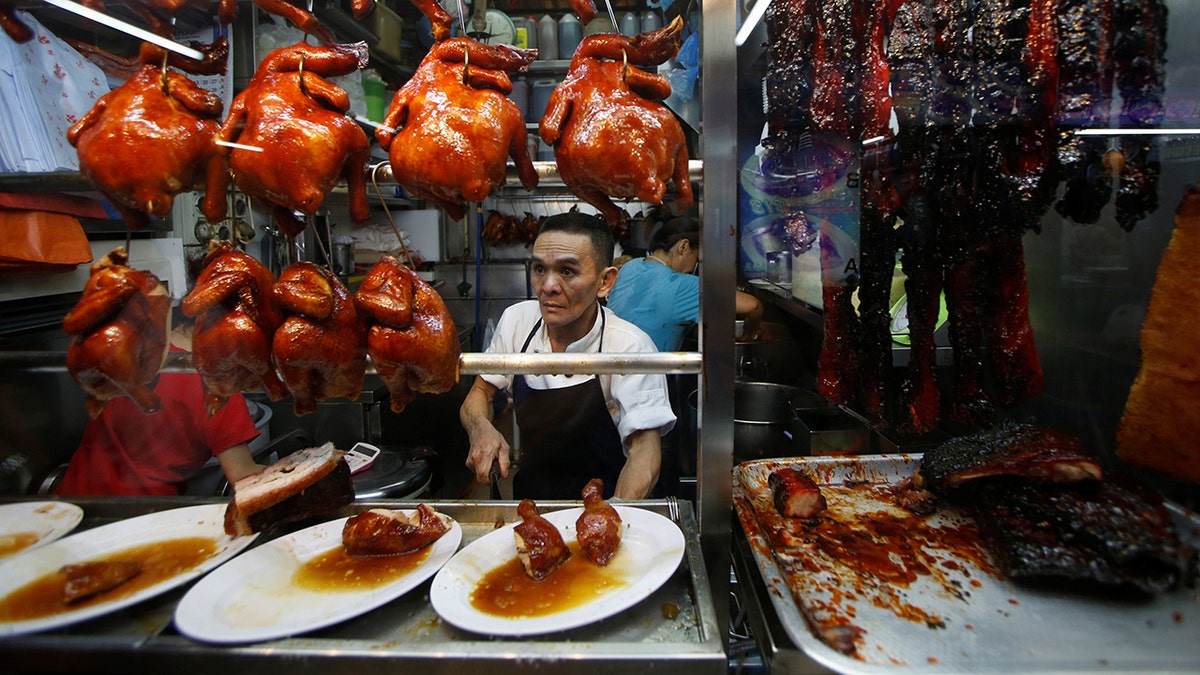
298	121
152	138
540	545
120	328
319	348
383	532
612	136
455	127
411	337
236	320
598	528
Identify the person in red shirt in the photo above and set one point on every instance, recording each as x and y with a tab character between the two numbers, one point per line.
125	452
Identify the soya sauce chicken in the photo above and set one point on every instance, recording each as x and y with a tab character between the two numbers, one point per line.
121	327
152	138
612	136
454	126
303	142
410	336
320	349
236	320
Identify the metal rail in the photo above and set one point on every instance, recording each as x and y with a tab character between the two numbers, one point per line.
470	363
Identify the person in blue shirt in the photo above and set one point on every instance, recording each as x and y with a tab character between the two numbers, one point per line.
660	294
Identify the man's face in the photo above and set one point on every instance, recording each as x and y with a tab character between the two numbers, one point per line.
567	278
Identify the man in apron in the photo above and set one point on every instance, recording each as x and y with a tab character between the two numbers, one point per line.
572	427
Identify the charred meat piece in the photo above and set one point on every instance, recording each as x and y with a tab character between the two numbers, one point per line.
87	579
540	546
796	495
1113	533
380	532
1010	448
598	528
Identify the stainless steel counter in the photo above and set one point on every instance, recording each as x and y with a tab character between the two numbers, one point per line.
403	636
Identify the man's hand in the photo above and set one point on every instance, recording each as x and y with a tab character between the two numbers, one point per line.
487	443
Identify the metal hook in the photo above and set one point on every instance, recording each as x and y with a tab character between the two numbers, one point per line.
164	72
624	65
303	90
466	66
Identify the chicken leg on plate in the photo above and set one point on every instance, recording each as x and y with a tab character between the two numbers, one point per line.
235	322
598	528
302	140
540	545
120	326
319	349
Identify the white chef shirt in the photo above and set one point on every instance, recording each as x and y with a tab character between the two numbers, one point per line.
635	402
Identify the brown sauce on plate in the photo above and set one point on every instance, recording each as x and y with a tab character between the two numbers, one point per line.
160	560
335	570
17	541
508	592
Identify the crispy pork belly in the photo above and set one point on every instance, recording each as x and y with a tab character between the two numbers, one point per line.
796	495
540	546
382	532
87	579
598	528
1008	449
303	484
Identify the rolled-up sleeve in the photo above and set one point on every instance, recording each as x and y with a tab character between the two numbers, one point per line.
642	403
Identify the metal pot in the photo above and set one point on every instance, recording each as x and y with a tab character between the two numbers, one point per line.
764	417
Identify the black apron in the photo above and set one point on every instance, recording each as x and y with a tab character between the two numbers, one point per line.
567	437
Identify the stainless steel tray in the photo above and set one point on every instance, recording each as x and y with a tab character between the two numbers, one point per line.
927	598
405	635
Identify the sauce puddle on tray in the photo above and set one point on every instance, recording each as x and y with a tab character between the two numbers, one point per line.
160	560
335	570
508	592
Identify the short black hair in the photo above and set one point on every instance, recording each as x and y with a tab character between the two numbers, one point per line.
683	227
592	227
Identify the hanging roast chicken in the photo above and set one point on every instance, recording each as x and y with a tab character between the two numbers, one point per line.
235	322
319	349
410	336
454	126
152	138
612	136
120	326
296	139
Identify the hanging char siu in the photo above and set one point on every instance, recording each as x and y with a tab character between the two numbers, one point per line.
411	337
152	138
454	126
612	136
320	348
120	327
297	121
236	319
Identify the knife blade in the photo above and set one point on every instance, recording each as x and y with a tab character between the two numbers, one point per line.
494	477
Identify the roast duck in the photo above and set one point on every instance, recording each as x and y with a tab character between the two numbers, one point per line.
152	138
612	136
236	320
304	142
319	349
451	127
120	328
410	336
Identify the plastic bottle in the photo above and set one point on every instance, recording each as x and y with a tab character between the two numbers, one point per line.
522	38
570	32
547	38
650	21
532	25
520	95
630	24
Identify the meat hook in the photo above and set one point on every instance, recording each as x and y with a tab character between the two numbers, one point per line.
466	67
164	74
301	71
387	212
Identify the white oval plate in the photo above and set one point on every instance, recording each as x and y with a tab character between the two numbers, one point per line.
48	521
651	548
252	598
206	520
